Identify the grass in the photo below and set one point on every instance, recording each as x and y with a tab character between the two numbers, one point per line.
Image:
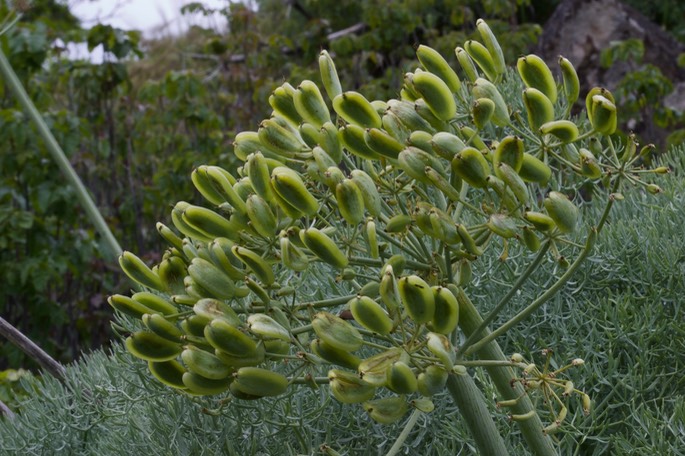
622	314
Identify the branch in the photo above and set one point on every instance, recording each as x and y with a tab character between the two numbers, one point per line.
31	349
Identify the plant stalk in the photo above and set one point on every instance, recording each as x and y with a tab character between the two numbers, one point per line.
470	321
31	349
59	157
475	413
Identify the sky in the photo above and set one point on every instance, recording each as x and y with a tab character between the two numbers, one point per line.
144	15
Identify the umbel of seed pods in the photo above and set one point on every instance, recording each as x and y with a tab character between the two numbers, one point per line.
405	190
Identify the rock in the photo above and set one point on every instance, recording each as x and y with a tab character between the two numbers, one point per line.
580	29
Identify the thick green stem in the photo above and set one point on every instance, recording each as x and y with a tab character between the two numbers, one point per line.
502	376
475	413
59	157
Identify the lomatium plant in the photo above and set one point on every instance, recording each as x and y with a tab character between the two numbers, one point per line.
396	200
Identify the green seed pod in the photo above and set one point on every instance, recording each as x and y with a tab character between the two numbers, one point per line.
205	364
441	347
389	292
446	145
171	272
482	57
562	210
333	355
530	239
502	225
468	241
251	359
417	298
260	176
466	64
540	221
539	108
446	315
465	273
329	75
350	201
205	186
372	199
262	218
492	45
281	100
407	115
348	388
536	74
386	410
138	271
357	110
209	309
509	151
289	186
435	63
170	236
374	370
223	258
155	303
260	382
211	279
310	105
265	327
398	223
394	127
596	91
149	346
436	94
248	142
445	186
224	182
571	81
414	161
482	110
483	88
401	379
382	143
309	134
336	332
432	380
534	170
472	167
291	255
258	265
285	141
352	137
168	372
588	164
323	247
564	130
514	182
472	139
128	306
202	386
330	141
603	115
229	339
371	315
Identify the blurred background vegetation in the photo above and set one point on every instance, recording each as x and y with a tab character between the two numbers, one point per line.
135	124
